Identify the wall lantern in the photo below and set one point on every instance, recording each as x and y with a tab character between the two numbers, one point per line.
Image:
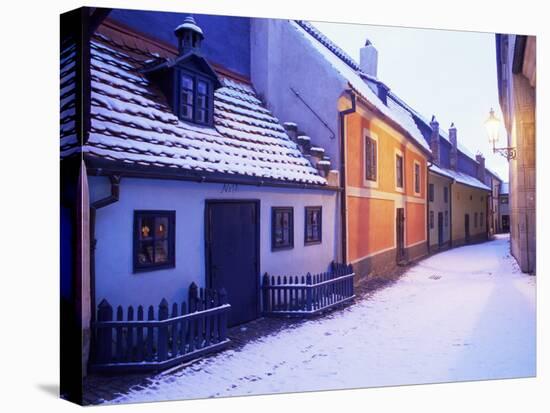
492	124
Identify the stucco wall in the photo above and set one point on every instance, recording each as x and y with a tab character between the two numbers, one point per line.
519	106
468	200
115	279
372	205
439	205
281	59
415	221
371	226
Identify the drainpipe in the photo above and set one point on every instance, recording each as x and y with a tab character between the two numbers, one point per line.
451	214
94	206
430	163
343	204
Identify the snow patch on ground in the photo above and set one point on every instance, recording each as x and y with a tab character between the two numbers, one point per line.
463	314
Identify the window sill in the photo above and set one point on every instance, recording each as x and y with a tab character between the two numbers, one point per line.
308	243
138	270
275	249
370	184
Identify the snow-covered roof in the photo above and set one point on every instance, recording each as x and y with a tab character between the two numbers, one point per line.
68	96
504	188
132	123
350	71
442	132
459	177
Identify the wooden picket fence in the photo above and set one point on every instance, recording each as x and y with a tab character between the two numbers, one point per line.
148	341
307	295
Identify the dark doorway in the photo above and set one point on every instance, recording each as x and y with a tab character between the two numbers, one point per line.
400	235
232	255
505	223
467	228
440	229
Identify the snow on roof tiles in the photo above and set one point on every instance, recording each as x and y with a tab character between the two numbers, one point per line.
132	123
351	71
459	177
68	139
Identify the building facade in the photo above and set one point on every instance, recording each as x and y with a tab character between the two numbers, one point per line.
184	176
516	69
380	153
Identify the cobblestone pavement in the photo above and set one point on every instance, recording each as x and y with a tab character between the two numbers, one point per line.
100	388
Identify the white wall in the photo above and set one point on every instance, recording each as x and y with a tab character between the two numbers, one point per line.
115	279
282	58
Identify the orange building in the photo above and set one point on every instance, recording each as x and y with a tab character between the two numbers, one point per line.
385	188
378	154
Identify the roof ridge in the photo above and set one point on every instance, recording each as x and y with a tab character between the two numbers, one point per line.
329	44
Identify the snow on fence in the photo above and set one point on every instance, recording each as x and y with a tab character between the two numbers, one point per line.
149	342
307	295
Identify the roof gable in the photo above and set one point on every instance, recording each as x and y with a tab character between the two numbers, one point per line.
190	61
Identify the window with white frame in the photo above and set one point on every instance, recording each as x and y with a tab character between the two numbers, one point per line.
416	177
399	171
371	158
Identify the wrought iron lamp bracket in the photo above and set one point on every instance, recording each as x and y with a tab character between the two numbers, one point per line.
509	152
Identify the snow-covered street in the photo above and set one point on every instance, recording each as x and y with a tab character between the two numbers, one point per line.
464	314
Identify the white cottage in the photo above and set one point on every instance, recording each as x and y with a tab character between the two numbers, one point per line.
191	178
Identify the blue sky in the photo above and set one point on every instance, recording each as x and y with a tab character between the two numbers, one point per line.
451	74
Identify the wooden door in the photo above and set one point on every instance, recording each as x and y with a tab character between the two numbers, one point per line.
467	227
232	255
400	234
440	228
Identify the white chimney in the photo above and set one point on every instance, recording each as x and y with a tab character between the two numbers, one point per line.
369	59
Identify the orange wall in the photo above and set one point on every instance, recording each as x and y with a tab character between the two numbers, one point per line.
371	226
387	145
415	222
371	221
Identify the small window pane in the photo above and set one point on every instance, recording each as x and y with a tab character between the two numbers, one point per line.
282	228
146	228
154	240
161	228
161	252
145	252
313	223
370	159
399	171
202	87
416	178
186	82
201	116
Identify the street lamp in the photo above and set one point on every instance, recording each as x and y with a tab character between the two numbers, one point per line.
492	124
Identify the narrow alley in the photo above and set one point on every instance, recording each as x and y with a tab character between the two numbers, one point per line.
464	314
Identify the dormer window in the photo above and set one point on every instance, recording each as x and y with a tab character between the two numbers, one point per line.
188	81
195	96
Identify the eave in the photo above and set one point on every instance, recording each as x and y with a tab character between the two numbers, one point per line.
103	167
